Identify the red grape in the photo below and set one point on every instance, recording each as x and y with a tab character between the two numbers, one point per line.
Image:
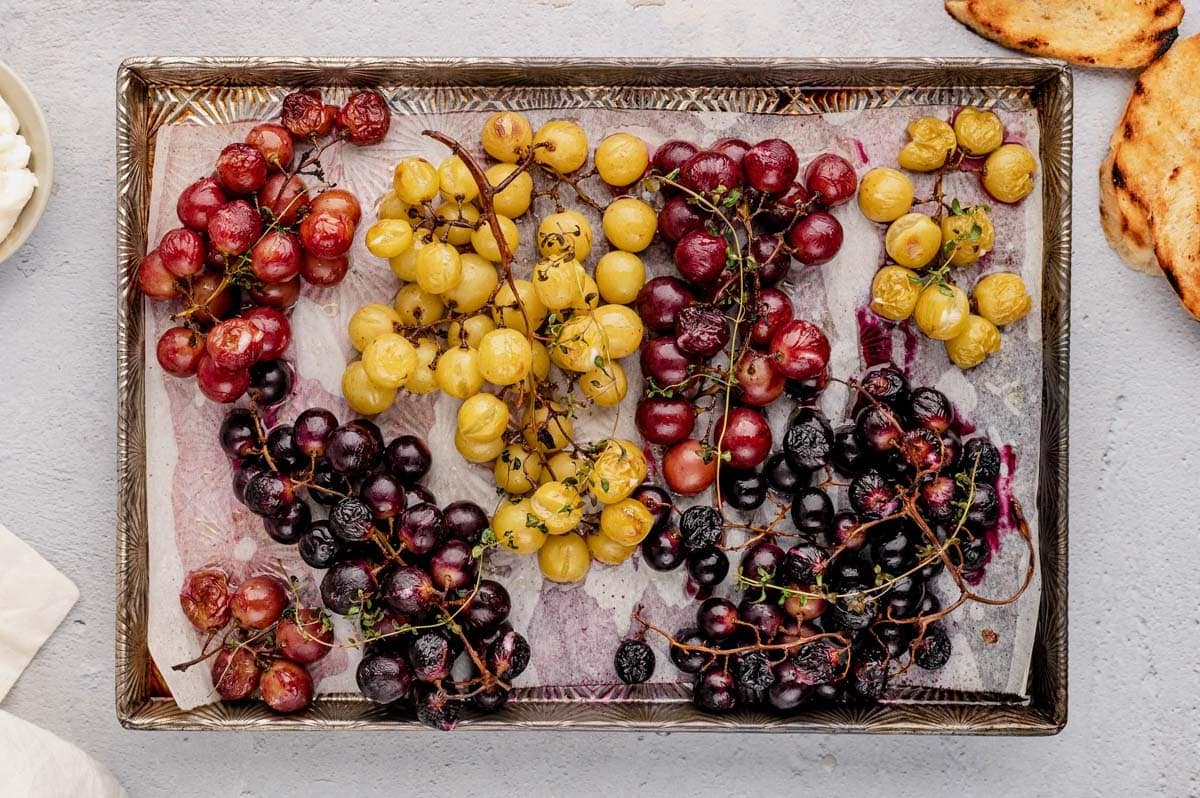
276	257
323	271
286	686
784	212
241	168
700	256
179	351
326	235
235	673
215	305
274	142
816	238
304	637
734	148
204	598
758	381
277	295
276	330
672	154
258	602
279	195
198	202
303	114
665	421
339	202
182	252
771	166
235	344
660	300
153	278
234	227
218	384
773	259
664	362
800	349
365	118
689	467
832	177
701	330
707	170
678	218
773	311
745	435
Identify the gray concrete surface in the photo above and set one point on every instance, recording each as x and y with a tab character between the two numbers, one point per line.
1135	680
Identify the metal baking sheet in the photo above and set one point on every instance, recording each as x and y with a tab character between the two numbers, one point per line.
157	91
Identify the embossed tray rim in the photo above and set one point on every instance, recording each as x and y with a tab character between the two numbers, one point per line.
1050	85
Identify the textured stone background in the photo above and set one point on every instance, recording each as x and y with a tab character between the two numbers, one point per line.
1135	680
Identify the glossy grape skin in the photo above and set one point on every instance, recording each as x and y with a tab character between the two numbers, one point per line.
326	235
774	309
717	618
276	257
665	421
663	549
745	490
714	690
421	528
885	383
239	434
677	218
735	148
271	382
488	608
384	678
708	567
452	567
312	428
199	201
812	513
269	494
153	278
408	458
274	142
465	521
347	584
277	295
235	673
689	661
701	330
773	259
383	494
291	526
816	238
771	166
324	271
873	496
241	168
275	328
700	256
657	501
286	686
801	349
744	434
660	300
508	655
672	154
689	468
305	636
930	409
663	361
318	547
352	449
782	477
283	197
182	252
234	227
258	602
705	171
759	383
831	176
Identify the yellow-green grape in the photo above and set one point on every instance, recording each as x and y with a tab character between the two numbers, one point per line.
475	286
439	268
972	346
470	331
942	311
913	240
579	344
894	292
539	368
506	135
605	386
622	327
389	360
978	132
565	233
627	522
517	469
969	244
1008	173
458	373
478	451
1002	299
388	238
415	180
629	224
564	146
521	311
424	377
371	321
404	265
482	417
606	550
363	395
591	292
563	467
621	159
417	307
930	145
564	558
392	207
884	195
485	243
620	276
548	428
456	234
455	181
517	196
616	471
505	356
557	282
558	505
513	530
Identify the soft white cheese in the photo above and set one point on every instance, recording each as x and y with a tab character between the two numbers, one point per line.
16	181
8	120
14	152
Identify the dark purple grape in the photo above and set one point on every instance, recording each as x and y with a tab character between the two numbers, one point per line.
384	678
808	441
885	383
269	494
765	617
239	435
933	650
408	590
894	546
312	429
351	520
970	555
849	572
488	607
985	506
717	618
708	567
243	472
761	562
936	499
874	496
663	549
465	521
930	604
422	528
789	690
452	567
328	485
877	429
281	445
818	662
429	655
352	449
437	709
508	655
701	330
808	390
782	477
348	585
383	494
924	450
288	527
714	691
408	458
849	457
870	674
490	699
700	527
371	428
801	565
894	637
773	259
812	513
689	661
318	547
657	501
848	530
930	409
904	598
980	456
271	381
733	147
743	490
852	614
752	671
634	661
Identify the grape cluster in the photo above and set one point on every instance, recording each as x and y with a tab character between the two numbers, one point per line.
923	250
251	232
850	604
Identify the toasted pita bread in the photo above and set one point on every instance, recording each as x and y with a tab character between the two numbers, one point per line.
1176	214
1121	34
1125	223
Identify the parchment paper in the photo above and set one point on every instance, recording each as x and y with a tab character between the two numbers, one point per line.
195	521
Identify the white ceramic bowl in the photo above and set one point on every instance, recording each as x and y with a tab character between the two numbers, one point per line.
41	160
